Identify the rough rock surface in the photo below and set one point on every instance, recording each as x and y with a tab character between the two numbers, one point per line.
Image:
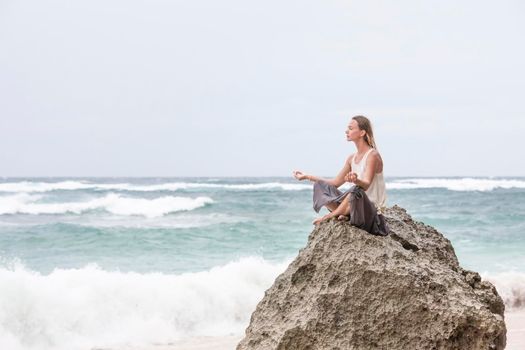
348	289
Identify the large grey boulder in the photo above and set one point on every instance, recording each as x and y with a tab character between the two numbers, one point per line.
348	289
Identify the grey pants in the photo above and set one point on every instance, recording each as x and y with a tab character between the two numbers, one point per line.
363	212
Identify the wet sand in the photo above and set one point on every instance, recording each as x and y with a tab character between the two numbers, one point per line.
515	321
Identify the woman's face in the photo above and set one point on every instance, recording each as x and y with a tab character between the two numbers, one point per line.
353	132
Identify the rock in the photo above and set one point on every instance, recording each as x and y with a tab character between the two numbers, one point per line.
348	289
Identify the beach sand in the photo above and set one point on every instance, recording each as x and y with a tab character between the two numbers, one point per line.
515	321
204	343
197	343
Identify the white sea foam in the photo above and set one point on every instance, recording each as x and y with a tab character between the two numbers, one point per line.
463	184
510	286
23	203
89	307
36	187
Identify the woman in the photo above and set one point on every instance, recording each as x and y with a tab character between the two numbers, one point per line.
364	169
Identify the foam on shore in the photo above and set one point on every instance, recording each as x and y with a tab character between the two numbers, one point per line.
89	307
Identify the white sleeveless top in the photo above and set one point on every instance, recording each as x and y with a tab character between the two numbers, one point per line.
376	191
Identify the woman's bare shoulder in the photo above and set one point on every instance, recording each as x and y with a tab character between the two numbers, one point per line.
375	153
375	156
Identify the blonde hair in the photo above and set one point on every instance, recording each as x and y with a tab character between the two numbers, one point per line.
366	125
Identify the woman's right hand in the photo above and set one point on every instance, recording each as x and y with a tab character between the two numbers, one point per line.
351	177
299	175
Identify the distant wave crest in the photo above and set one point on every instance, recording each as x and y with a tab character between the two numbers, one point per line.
24	203
91	308
39	187
462	184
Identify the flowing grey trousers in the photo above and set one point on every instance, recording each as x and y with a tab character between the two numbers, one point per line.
363	212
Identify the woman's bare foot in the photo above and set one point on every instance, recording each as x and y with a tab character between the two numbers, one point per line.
317	221
321	219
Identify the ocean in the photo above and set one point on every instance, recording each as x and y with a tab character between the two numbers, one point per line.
107	262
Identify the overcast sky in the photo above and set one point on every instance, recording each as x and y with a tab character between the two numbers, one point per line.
259	88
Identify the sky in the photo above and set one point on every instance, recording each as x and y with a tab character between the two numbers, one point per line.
259	88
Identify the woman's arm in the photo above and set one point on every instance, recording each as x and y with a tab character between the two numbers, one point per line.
336	181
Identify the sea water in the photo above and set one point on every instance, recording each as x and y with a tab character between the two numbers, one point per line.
102	262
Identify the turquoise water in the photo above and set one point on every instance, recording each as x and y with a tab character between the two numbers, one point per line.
96	262
267	222
487	227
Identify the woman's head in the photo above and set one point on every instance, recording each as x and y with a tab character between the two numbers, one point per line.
359	127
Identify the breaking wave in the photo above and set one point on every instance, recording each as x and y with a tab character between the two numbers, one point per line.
92	308
24	203
510	286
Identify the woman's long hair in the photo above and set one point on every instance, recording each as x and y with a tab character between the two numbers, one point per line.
366	125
